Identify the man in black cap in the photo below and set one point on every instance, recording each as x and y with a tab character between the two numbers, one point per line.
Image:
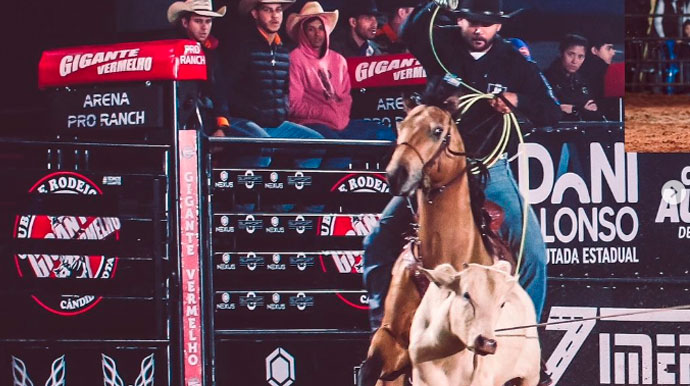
471	50
361	27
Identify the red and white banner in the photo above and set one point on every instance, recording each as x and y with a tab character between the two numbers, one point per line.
189	257
122	62
385	71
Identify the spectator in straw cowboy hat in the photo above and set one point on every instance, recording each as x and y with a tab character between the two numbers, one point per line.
319	81
194	19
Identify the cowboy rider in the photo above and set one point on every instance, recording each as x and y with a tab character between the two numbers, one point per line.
489	64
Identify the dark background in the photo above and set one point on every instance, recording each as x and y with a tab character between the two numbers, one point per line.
32	26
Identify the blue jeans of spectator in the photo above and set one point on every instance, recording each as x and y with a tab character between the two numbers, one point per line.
244	128
356	129
382	246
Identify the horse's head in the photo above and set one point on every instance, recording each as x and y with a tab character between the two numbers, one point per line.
427	137
473	300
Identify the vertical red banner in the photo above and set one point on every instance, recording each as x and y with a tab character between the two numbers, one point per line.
189	257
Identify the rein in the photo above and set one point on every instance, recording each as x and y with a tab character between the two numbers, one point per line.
432	192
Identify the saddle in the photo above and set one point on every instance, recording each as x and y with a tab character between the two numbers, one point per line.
495	245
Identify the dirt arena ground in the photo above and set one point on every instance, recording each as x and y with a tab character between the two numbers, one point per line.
657	123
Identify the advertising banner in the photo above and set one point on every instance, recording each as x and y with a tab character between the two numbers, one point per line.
122	62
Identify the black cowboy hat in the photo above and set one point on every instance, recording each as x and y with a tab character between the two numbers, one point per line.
356	8
392	5
490	11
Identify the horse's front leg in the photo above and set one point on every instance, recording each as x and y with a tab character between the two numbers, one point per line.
388	358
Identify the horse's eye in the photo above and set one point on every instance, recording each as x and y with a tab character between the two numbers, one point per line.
466	295
502	305
438	131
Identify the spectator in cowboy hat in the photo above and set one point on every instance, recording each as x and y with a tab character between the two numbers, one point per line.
361	18
194	19
257	66
397	12
319	80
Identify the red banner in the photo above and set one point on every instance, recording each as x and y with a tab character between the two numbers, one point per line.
123	62
385	71
189	256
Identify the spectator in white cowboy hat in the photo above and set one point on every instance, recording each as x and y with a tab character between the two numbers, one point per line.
361	18
319	81
194	19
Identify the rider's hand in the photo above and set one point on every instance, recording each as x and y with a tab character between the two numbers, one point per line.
568	109
500	106
590	105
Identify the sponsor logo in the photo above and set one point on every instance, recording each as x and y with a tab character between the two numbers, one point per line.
66	228
624	358
112	180
225	302
248	179
350	262
107	61
301	301
300	225
111	377
302	261
225	263
275	228
274	184
224	228
276	266
21	375
603	216
299	180
251	261
276	305
224	183
407	68
280	368
250	224
251	301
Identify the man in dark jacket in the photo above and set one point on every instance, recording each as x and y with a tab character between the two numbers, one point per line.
360	30
388	36
472	51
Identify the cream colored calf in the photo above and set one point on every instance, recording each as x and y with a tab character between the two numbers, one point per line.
453	339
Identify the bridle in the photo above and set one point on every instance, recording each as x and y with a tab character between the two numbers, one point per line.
431	192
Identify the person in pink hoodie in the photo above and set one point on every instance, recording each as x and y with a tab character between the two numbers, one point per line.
319	80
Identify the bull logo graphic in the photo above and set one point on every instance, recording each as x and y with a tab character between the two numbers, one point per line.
73	266
21	375
111	377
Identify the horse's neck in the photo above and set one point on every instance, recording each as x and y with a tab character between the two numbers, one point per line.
448	233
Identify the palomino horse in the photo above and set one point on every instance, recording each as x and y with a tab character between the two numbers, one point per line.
453	339
429	159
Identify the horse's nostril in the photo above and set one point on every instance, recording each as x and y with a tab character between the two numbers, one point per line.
397	179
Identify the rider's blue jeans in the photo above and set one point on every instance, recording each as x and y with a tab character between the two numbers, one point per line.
382	246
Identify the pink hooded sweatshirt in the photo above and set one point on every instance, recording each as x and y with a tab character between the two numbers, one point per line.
319	86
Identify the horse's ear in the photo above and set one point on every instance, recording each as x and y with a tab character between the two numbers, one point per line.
410	101
442	276
452	104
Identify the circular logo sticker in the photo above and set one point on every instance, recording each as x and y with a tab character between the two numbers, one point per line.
66	228
350	262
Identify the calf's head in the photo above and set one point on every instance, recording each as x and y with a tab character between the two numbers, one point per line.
474	298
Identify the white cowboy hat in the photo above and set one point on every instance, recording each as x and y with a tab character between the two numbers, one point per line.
310	9
247	5
200	7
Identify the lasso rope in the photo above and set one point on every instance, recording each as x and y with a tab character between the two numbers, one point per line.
509	121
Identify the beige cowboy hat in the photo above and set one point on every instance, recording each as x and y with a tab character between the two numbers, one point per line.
200	7
247	5
310	9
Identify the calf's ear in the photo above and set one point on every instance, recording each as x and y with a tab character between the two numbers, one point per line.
503	266
443	275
